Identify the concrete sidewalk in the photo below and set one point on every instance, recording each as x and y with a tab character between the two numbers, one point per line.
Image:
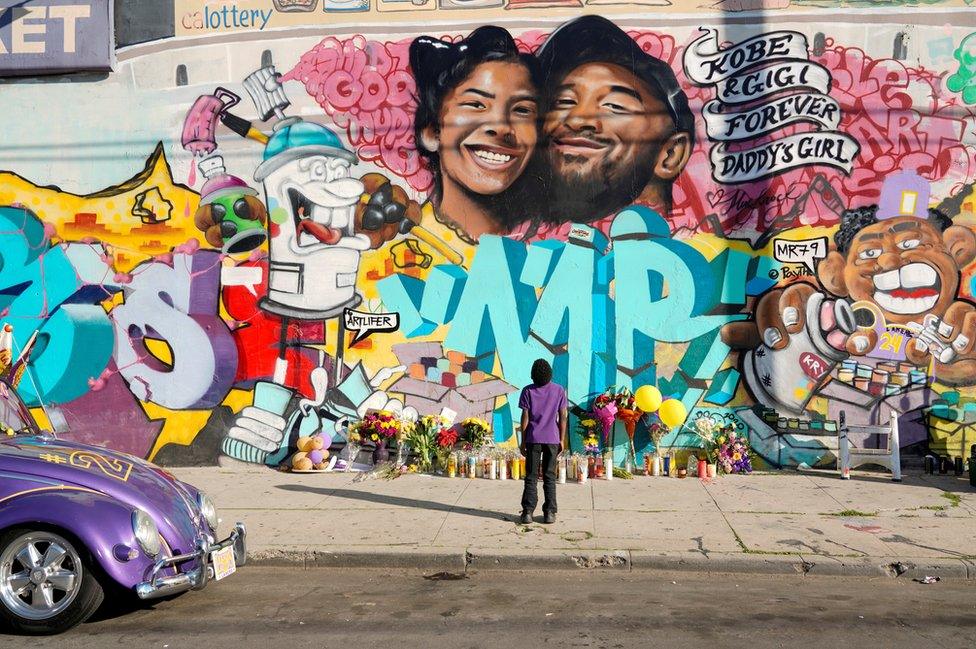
791	523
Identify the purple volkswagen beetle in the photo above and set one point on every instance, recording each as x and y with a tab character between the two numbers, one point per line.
77	519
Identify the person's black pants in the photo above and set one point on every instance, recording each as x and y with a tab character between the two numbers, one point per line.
546	454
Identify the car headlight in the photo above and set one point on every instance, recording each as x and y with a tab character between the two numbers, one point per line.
208	509
146	533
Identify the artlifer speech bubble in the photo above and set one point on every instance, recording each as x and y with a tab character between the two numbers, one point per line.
800	251
365	324
246	276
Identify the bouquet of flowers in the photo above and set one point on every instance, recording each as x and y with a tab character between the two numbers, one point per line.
629	414
422	437
586	429
446	439
475	434
733	452
657	431
625	400
707	430
379	427
605	412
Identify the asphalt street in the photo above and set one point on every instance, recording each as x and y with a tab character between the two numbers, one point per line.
269	607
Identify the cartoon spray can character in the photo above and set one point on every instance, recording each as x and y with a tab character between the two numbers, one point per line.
312	200
230	215
314	250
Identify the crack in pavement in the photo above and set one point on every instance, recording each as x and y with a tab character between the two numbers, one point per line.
821	488
735	535
450	511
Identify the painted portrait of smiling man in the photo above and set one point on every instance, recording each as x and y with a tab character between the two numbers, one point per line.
617	128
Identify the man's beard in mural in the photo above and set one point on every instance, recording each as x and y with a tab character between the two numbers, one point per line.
581	197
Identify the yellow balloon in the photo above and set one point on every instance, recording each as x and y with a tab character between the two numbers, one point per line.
648	398
672	413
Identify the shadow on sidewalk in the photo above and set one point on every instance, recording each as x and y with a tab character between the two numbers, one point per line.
397	501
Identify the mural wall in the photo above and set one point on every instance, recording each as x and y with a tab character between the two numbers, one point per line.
272	223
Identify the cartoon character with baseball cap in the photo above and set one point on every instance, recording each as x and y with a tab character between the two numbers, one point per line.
311	197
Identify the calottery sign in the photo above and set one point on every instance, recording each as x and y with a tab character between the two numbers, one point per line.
208	17
201	17
49	36
204	17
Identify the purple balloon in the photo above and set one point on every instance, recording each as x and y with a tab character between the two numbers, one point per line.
326	440
316	457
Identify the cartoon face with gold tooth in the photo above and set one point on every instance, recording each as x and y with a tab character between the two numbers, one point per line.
907	266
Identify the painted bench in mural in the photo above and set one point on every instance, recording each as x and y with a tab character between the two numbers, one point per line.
790	441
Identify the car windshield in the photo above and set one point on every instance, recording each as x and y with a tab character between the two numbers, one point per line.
13	415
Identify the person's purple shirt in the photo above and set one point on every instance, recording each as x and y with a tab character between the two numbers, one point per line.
543	402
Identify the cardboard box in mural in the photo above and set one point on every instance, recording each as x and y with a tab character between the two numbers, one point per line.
772	223
436	380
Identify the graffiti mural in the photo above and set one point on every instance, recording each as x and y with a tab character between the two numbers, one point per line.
768	222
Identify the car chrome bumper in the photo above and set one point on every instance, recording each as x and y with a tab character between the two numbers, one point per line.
155	586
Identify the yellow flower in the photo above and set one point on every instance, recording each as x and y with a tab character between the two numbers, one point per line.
736	456
589	422
721	440
374	437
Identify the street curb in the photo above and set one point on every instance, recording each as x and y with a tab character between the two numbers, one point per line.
477	559
722	563
277	557
894	567
473	559
446	561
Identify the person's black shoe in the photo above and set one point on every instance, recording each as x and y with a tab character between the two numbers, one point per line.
525	518
549	518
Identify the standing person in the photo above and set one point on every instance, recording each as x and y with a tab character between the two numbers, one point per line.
543	407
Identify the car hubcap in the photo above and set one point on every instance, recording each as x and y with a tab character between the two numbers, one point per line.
40	574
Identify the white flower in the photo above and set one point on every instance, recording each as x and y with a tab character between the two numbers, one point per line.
706	427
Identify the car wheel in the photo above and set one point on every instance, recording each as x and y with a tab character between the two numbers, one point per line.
46	586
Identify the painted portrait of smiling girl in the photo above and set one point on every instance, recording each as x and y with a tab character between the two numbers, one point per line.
477	126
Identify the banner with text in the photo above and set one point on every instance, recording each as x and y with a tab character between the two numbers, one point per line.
764	84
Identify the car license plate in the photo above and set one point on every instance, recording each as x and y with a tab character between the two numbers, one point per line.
224	564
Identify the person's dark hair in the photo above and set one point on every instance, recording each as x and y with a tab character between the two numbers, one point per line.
541	372
440	66
594	39
854	220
